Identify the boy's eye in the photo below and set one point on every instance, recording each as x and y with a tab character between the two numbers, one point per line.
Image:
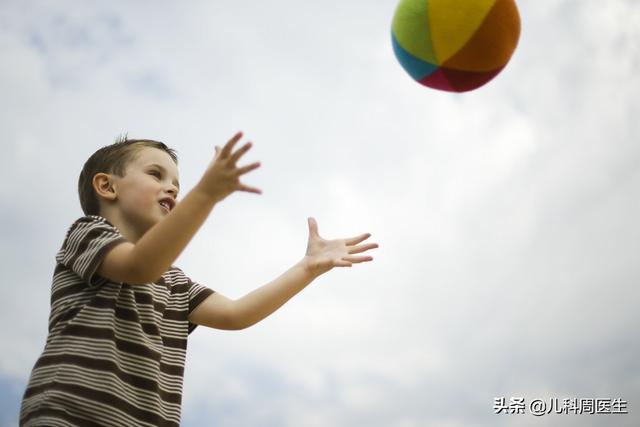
155	173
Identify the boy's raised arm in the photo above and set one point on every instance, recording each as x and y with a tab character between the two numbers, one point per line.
322	255
147	259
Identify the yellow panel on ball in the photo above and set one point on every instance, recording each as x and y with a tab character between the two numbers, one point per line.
453	22
493	43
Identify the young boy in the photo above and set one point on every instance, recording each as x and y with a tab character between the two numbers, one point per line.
121	312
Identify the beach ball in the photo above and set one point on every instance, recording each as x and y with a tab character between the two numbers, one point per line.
455	45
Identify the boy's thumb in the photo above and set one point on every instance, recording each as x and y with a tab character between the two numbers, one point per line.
313	226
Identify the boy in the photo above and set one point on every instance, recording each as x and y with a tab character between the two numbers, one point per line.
121	312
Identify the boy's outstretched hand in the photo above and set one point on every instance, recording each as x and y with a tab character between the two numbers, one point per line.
322	255
223	175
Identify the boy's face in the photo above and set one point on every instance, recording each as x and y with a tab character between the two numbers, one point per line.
148	190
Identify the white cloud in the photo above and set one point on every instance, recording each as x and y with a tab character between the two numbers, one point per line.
506	216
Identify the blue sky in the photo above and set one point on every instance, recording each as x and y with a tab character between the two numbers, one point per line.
506	217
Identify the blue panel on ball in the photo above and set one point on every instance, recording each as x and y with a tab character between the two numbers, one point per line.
416	67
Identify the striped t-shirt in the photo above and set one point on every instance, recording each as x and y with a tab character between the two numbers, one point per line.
115	352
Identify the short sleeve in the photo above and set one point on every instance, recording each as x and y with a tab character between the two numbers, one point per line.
195	292
85	246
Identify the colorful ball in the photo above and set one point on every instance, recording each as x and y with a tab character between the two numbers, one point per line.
455	45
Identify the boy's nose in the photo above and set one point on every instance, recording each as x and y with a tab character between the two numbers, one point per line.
173	191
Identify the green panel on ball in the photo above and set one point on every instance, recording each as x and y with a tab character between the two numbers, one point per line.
410	28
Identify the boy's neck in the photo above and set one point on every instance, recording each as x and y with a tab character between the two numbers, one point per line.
127	230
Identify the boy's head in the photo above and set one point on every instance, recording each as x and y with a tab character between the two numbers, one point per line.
113	160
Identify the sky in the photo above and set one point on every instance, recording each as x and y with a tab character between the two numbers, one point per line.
506	217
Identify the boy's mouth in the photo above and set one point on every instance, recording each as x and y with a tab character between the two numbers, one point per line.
167	204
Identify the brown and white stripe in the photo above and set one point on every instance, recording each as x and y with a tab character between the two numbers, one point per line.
115	353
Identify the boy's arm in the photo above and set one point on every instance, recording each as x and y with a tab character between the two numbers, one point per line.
147	259
322	255
220	312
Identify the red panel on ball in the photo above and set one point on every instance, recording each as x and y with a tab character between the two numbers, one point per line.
438	80
458	81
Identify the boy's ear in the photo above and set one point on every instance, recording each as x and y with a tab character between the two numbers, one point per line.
103	186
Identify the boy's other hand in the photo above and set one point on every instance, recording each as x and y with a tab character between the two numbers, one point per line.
322	255
223	176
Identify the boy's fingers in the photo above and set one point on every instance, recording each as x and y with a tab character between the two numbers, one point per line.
342	263
248	189
313	227
362	248
240	152
357	259
357	239
226	150
245	169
